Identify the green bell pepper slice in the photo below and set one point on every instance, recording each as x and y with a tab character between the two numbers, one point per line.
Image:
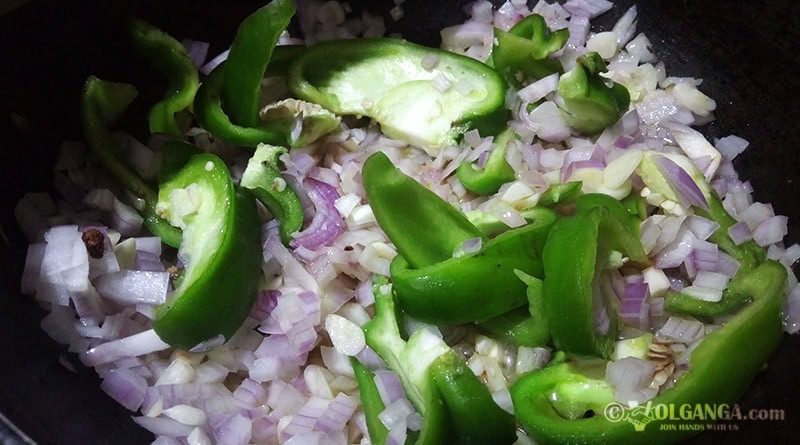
248	58
455	406
423	95
474	416
720	370
590	200
220	250
370	401
174	154
524	326
523	52
263	177
399	203
169	57
431	282
496	172
475	287
588	104
577	251
228	102
562	195
279	119
102	103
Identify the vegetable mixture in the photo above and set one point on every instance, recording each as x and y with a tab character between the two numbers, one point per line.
353	238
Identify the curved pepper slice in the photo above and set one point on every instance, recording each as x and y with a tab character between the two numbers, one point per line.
371	401
431	283
455	406
524	326
102	103
587	103
523	52
720	369
263	177
210	113
170	58
496	172
220	250
425	228
474	287
475	417
423	95
248	58
577	251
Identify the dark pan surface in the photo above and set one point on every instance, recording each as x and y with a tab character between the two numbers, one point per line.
745	51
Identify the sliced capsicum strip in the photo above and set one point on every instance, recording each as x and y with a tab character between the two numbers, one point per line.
170	58
371	402
220	250
587	103
263	177
523	52
619	210
289	122
496	172
577	251
561	195
425	228
248	58
721	368
102	103
475	287
524	326
432	283
455	406
423	95
474	416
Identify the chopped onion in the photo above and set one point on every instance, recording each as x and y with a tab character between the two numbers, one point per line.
186	414
630	377
539	89
588	8
133	286
198	51
467	247
125	219
770	231
682	183
731	146
625	28
132	346
327	223
346	336
125	386
236	430
681	330
395	413
337	414
163	426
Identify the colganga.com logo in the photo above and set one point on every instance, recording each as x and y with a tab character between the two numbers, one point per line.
685	416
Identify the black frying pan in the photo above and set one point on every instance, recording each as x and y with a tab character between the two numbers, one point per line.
745	51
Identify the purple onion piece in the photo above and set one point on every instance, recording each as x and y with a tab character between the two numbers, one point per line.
682	183
327	223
